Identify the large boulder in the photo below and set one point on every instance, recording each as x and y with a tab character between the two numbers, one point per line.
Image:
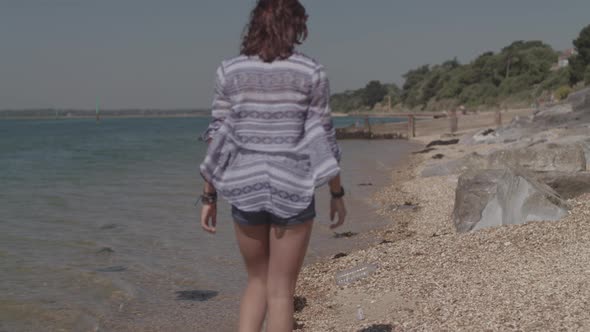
508	134
488	198
567	185
582	140
545	157
580	100
560	115
468	162
556	110
569	155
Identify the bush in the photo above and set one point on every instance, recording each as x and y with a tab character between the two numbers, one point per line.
515	85
587	76
563	92
479	94
554	81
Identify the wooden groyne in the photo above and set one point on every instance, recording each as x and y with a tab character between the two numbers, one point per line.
425	121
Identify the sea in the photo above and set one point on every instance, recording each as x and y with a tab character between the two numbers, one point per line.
99	230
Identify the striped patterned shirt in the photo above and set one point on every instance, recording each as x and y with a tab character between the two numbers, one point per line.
272	136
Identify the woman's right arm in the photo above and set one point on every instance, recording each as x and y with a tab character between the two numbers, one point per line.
221	109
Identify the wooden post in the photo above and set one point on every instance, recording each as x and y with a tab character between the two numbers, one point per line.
389	103
411	127
97	111
368	125
453	121
498	118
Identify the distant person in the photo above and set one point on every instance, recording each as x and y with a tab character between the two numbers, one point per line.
271	143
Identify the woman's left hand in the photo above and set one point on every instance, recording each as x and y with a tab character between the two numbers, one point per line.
209	217
337	208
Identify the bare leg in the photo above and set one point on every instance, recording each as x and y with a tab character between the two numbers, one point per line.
287	251
254	246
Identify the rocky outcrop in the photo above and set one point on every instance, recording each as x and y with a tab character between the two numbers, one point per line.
571	115
580	100
583	141
567	156
347	133
488	198
547	157
575	112
543	160
468	162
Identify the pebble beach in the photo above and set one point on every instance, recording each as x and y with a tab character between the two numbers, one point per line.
531	277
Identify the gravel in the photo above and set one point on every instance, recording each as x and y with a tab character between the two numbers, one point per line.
533	277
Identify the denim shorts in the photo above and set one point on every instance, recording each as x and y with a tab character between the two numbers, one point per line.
267	218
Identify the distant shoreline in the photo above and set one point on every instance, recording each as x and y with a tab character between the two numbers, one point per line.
41	114
47	114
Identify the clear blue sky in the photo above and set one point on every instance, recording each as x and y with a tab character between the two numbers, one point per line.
163	53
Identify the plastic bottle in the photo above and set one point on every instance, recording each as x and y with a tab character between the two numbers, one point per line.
360	314
355	273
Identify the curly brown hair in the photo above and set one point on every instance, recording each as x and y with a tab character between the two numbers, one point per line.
275	27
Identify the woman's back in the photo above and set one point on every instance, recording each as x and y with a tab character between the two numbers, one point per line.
273	140
267	103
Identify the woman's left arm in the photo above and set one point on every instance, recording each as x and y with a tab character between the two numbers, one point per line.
320	107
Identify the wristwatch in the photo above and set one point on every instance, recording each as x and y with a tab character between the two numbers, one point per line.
339	194
209	198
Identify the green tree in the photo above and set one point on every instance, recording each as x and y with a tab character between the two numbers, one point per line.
411	88
576	68
582	60
348	101
374	93
518	73
394	92
431	88
587	76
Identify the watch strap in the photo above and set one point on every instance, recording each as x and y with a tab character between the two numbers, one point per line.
338	194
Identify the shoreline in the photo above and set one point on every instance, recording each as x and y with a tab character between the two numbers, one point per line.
432	278
76	117
328	247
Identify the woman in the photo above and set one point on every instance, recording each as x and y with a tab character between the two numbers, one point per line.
271	143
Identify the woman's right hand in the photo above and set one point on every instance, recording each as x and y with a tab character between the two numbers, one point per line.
209	217
337	207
